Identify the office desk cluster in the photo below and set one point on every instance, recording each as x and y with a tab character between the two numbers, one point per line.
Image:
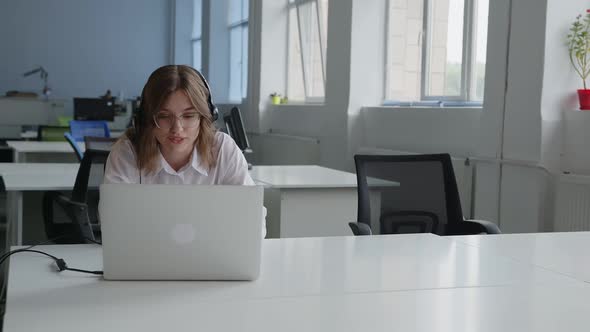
22	150
295	196
421	282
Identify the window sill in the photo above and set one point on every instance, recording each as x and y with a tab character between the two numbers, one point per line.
418	109
434	104
295	103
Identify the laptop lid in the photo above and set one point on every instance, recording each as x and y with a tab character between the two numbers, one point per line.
181	232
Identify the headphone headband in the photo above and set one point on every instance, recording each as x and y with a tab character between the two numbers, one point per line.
212	108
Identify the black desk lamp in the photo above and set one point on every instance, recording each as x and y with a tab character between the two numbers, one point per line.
43	74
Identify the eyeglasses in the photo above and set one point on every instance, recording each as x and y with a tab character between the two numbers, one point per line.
166	120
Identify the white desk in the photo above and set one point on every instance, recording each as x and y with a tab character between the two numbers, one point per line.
29	135
297	197
567	253
54	150
383	283
20	177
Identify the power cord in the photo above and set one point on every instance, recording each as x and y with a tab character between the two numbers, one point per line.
60	262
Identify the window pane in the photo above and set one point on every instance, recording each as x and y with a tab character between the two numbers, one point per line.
245	9
197	54
404	50
481	41
244	61
235	11
323	14
235	64
445	48
197	18
311	50
295	90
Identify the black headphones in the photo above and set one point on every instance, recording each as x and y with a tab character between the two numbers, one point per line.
139	116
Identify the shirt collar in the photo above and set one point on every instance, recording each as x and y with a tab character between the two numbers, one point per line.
195	164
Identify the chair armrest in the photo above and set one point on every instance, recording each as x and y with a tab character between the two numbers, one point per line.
359	228
490	227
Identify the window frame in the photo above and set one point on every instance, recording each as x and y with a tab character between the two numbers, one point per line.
198	39
239	25
295	4
468	58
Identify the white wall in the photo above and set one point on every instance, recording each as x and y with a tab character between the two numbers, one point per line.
519	187
86	46
219	50
565	130
425	130
327	121
367	68
183	32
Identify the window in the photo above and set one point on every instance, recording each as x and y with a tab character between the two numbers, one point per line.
436	50
238	41
307	37
196	39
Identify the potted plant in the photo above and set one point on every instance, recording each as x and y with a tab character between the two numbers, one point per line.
578	41
275	98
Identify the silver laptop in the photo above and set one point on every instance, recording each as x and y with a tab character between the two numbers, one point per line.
181	232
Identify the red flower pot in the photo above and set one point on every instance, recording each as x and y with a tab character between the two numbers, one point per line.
584	97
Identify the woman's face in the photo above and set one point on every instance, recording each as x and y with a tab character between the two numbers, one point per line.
177	126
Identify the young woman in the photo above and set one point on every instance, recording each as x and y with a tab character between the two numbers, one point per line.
174	140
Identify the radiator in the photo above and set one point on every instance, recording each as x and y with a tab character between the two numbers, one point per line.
463	174
572	203
277	149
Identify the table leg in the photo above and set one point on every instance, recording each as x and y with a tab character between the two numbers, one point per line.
14	218
18	157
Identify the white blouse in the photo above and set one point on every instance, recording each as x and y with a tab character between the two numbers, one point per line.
231	168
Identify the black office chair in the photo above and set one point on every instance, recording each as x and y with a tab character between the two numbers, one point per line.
425	201
234	127
75	219
99	143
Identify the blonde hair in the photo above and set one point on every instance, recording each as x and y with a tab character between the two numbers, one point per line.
160	85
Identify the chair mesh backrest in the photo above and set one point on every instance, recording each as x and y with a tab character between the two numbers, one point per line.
80	129
425	200
90	174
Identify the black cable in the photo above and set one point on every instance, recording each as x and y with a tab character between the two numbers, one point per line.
51	240
38	244
61	264
5	257
45	242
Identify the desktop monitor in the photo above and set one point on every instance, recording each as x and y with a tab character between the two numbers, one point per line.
94	109
235	128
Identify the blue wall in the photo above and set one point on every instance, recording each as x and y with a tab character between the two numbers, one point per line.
86	46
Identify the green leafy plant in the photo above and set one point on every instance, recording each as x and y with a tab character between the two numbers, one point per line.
578	41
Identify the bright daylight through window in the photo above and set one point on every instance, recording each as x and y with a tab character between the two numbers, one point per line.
436	50
308	27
